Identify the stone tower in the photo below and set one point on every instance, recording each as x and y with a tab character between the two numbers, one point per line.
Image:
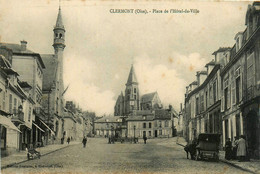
131	93
59	45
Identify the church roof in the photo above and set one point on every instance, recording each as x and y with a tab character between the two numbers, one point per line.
49	73
132	77
59	23
148	97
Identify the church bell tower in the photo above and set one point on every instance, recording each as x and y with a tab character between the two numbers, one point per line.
59	45
131	93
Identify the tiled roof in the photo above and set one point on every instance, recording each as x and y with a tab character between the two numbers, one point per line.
142	112
162	114
203	72
221	49
4	63
194	83
109	120
210	63
16	48
148	97
6	66
49	73
140	118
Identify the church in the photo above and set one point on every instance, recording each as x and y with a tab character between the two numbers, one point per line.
142	115
132	102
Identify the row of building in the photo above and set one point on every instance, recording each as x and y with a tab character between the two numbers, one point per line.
138	116
225	98
32	105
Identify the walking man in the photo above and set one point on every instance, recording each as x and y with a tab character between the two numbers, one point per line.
68	140
84	141
145	138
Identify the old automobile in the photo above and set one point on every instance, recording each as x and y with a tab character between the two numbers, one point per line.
208	146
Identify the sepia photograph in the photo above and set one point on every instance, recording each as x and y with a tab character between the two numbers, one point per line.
134	86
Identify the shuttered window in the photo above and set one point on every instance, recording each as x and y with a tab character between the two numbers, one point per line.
10	103
250	70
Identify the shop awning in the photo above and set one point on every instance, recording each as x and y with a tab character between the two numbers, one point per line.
38	127
48	127
6	122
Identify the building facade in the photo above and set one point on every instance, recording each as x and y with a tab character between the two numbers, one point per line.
108	126
231	90
15	109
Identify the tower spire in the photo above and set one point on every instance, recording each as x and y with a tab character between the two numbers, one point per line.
59	32
132	77
59	23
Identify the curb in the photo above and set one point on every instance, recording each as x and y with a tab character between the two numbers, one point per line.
229	163
237	166
15	163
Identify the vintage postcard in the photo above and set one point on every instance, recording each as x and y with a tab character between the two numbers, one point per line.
133	86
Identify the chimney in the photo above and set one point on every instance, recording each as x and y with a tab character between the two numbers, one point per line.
23	45
198	77
181	107
202	75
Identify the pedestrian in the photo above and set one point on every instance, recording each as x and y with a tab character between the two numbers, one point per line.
234	148
228	150
68	140
241	149
84	141
145	138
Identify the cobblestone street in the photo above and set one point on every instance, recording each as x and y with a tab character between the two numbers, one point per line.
157	156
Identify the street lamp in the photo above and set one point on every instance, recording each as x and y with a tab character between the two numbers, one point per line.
134	134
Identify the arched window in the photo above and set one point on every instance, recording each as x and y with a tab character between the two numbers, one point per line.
60	36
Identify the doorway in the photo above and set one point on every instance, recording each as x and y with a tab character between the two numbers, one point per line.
251	132
155	133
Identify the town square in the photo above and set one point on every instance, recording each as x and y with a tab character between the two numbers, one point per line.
129	87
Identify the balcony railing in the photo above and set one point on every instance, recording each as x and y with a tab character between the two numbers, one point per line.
17	116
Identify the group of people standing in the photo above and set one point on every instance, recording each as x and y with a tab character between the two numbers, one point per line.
237	149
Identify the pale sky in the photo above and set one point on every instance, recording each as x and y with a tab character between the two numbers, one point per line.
166	49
